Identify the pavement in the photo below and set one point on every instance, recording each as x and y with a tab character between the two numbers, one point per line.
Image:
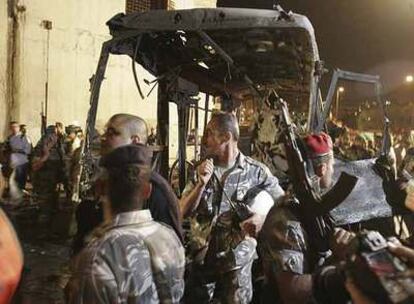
46	252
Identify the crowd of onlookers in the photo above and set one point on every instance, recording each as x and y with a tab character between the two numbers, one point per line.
351	144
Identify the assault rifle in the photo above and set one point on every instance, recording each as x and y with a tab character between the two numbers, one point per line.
311	201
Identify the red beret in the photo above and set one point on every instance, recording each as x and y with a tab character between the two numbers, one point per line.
318	144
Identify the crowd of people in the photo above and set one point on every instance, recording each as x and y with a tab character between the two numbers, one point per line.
49	159
351	144
247	240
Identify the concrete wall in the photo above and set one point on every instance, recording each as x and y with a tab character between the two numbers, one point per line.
204	3
74	47
182	4
78	30
3	66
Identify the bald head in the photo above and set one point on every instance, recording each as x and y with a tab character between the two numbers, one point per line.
132	126
124	129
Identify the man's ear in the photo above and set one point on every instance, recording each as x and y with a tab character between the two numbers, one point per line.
320	169
227	136
135	139
146	190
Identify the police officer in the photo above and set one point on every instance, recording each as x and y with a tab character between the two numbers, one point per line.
131	258
221	254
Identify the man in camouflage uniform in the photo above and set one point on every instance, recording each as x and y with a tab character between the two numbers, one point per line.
292	254
131	258
222	250
49	171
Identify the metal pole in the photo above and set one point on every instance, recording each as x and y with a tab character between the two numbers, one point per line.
163	125
182	111
83	179
206	104
196	143
47	25
337	103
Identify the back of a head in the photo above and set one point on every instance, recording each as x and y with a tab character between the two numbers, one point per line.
226	122
51	129
128	169
132	125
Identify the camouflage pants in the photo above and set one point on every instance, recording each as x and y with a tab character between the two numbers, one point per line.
232	287
45	188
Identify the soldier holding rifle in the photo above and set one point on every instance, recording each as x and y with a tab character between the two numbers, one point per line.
292	249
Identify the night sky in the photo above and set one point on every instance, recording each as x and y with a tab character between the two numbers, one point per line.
368	36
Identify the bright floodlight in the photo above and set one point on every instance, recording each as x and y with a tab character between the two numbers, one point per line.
341	89
409	78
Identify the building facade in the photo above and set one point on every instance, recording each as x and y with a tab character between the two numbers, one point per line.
48	53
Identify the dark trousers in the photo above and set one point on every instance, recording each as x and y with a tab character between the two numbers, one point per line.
89	215
21	175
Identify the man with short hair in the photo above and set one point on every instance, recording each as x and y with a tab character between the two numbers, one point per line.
152	137
131	258
291	253
20	148
125	129
221	248
72	141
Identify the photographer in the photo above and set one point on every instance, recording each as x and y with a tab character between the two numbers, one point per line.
403	252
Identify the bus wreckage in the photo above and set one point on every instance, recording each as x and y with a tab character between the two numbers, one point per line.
245	53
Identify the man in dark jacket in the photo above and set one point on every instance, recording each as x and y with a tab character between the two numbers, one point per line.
121	130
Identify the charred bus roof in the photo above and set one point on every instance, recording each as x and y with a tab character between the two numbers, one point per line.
217	48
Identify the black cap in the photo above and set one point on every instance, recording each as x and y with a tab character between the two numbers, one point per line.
127	155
